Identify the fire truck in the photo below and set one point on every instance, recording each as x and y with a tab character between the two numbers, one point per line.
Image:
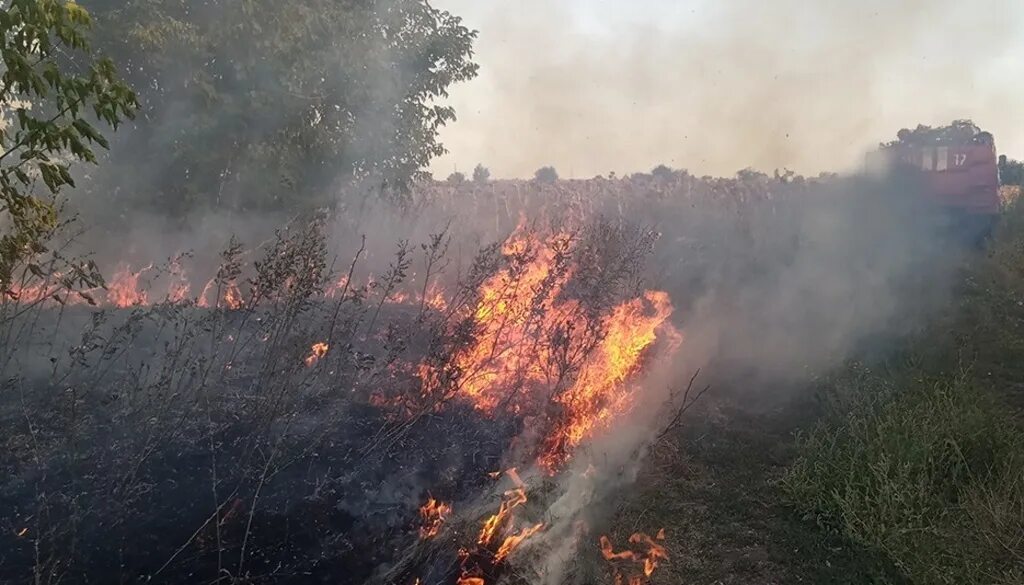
954	168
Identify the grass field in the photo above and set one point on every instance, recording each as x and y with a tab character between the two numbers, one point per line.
908	469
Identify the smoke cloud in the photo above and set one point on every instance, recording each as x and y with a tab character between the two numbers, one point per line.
713	87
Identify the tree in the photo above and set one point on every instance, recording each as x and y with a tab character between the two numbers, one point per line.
481	174
52	90
266	104
1011	172
546	175
456	178
663	172
957	132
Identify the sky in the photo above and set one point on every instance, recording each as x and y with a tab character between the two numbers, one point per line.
599	86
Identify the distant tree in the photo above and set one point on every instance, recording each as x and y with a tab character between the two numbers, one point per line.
265	104
53	88
749	174
663	172
957	131
456	178
1011	172
547	175
481	174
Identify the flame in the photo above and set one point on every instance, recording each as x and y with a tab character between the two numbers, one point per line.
512	541
511	499
317	351
646	561
232	296
600	392
435	298
504	317
334	289
525	328
501	523
434	514
124	291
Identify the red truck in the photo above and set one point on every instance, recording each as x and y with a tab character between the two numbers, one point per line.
955	167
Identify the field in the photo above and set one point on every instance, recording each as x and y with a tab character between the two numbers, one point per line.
315	408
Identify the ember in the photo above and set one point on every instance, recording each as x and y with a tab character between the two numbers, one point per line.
318	351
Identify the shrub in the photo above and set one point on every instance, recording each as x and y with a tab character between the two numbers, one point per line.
929	471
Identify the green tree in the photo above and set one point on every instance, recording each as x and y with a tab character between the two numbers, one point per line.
49	104
262	104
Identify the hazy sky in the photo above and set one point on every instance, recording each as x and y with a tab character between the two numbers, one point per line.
593	86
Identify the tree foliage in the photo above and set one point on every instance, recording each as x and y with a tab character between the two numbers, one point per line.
956	132
546	175
481	174
1011	172
263	104
48	104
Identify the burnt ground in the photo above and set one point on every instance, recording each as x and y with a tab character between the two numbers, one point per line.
712	485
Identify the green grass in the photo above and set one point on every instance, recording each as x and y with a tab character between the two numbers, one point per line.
923	461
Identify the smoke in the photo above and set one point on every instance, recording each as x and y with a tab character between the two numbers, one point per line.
826	273
717	86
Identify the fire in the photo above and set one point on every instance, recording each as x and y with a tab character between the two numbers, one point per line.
512	499
335	289
435	298
526	329
643	563
124	290
232	296
514	540
601	391
434	514
317	351
500	524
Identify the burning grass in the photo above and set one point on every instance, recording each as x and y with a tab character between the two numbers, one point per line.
457	413
285	423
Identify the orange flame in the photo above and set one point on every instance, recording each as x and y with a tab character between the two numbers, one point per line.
503	523
434	514
647	560
512	499
123	290
317	351
520	318
513	541
600	392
